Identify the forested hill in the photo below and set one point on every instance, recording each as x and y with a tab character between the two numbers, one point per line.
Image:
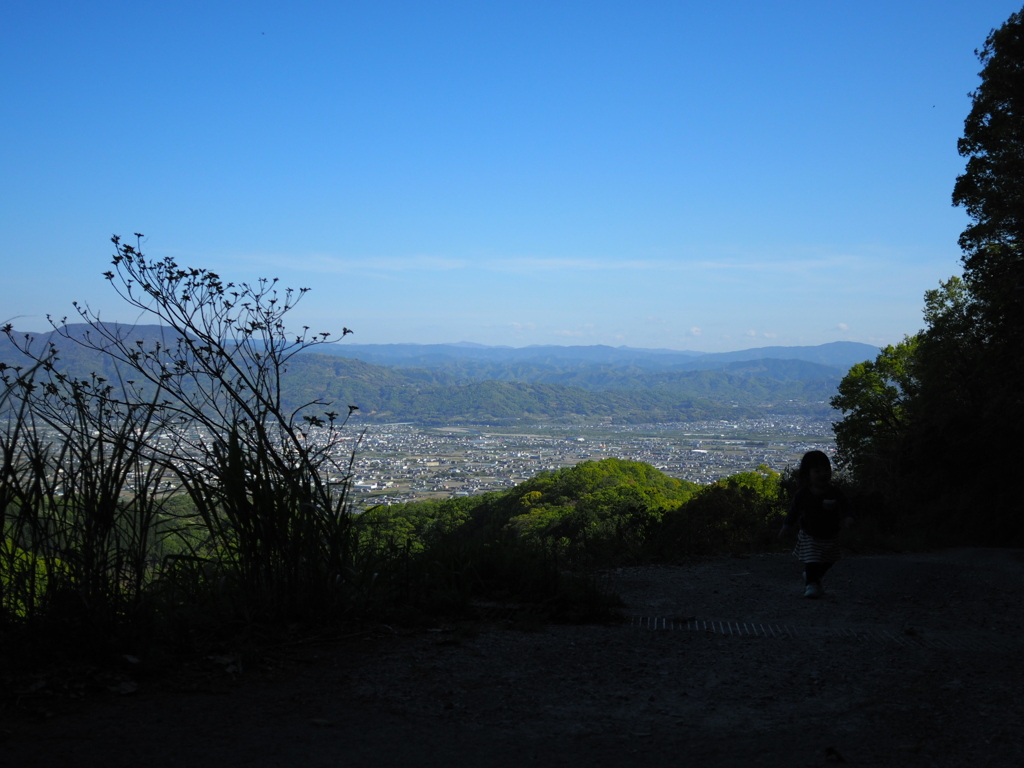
556	387
403	394
472	383
603	377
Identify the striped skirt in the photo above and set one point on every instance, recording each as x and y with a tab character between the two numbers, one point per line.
812	550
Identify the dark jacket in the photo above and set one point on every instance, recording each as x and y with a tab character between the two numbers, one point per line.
819	516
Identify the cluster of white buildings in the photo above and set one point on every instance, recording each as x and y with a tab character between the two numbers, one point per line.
401	462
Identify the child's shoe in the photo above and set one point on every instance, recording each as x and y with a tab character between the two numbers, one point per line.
813	590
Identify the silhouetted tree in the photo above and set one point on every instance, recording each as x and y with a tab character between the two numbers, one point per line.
928	420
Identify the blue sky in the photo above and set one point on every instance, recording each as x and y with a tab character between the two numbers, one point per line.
704	176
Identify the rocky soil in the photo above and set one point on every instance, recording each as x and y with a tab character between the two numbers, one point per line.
910	659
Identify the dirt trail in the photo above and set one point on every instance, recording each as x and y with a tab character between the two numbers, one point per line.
911	659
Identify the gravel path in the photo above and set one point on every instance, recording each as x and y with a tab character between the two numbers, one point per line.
911	659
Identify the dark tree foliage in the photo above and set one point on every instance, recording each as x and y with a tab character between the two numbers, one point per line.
991	189
926	446
992	186
984	330
876	398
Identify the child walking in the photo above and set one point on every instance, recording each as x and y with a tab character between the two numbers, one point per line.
820	510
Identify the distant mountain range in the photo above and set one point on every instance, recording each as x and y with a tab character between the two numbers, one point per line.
475	384
839	355
603	368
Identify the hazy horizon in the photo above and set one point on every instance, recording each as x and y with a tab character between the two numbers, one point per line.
463	342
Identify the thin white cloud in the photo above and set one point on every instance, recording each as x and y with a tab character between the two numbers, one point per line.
682	264
749	263
533	264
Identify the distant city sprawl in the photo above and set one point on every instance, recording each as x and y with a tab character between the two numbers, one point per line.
393	463
403	462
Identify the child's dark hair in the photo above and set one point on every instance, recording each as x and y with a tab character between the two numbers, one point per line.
811	460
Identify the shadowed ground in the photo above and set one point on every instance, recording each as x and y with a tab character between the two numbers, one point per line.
911	659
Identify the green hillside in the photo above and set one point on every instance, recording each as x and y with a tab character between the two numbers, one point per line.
597	512
432	397
517	392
